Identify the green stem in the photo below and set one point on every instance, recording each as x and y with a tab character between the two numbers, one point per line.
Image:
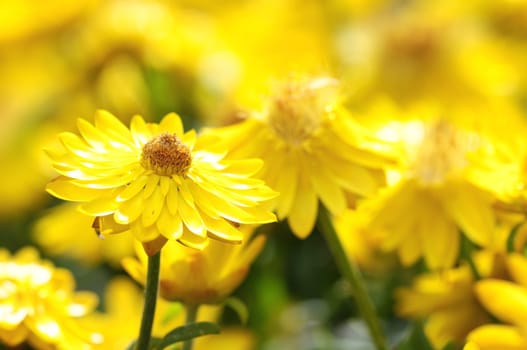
467	248
149	308
351	272
192	313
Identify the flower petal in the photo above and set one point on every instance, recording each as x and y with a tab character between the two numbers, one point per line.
304	210
505	300
152	207
170	226
171	123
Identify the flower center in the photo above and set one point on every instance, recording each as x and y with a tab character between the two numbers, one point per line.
442	152
298	109
166	155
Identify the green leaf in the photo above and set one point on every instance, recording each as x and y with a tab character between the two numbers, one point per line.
238	306
188	331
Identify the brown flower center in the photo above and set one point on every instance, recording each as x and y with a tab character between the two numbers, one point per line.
166	155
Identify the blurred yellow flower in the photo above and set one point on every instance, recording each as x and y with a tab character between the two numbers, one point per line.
39	305
506	300
196	277
312	149
120	320
433	197
360	242
157	181
425	50
446	300
64	231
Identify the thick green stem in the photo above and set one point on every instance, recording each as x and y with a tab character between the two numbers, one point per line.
192	314
149	308
351	272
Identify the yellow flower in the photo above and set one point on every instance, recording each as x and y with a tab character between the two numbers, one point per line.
65	231
446	300
311	149
426	50
158	181
434	195
199	276
507	300
38	304
121	318
360	242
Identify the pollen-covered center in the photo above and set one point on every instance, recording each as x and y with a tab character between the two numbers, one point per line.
166	155
298	109
441	153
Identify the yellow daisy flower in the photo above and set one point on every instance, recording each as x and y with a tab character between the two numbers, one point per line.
434	195
507	300
312	149
38	304
447	302
158	181
122	315
199	276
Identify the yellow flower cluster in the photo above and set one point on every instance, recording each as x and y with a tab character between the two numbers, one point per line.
39	304
405	121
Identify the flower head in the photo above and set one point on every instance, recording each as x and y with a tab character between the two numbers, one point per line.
199	276
312	149
38	304
447	302
506	300
157	181
435	183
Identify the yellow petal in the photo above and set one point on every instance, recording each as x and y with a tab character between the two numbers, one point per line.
190	216
495	337
135	269
471	208
129	210
410	249
328	190
132	189
304	211
113	127
92	135
150	186
62	188
286	185
172	199
171	123
152	207
139	130
164	184
517	265
242	168
142	233
440	236
471	346
503	299
170	226
192	240
222	230
100	206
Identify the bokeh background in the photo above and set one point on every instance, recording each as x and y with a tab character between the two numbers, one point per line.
211	61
